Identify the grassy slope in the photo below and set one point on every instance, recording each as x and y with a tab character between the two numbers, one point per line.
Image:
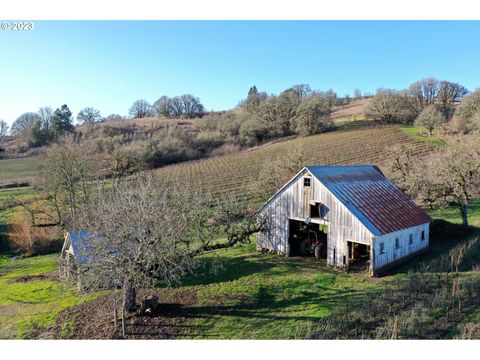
29	306
421	134
19	170
265	296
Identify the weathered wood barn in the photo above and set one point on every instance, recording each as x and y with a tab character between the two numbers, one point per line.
348	215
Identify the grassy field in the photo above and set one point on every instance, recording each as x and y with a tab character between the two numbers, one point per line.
421	134
265	296
241	293
28	306
19	170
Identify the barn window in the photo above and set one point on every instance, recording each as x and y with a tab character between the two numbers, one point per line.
306	181
316	210
423	235
382	248
397	243
410	239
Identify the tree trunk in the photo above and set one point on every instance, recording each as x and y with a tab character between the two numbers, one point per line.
464	212
129	295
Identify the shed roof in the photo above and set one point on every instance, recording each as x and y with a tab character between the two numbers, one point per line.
380	205
82	242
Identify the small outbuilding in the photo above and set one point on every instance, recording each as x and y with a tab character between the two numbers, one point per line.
78	253
348	215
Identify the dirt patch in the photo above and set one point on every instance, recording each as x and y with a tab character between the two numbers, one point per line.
94	320
25	278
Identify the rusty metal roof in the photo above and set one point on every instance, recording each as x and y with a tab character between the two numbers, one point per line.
371	197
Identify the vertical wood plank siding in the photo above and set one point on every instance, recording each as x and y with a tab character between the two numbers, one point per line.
391	253
343	226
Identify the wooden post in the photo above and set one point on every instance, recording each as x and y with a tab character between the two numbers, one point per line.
395	329
115	313
124	325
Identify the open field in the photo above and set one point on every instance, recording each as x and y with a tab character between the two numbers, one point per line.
20	170
31	296
241	293
353	111
235	174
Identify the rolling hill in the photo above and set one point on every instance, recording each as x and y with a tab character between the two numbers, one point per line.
235	173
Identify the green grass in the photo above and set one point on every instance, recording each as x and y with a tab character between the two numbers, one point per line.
19	170
419	133
452	214
264	296
32	306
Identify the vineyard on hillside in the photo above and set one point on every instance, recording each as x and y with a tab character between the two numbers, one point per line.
236	174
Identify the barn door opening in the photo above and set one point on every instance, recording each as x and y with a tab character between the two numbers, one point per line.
307	239
358	256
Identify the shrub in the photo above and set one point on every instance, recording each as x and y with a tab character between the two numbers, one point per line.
29	239
313	116
430	118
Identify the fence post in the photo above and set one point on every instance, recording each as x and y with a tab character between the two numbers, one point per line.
115	312
395	329
124	325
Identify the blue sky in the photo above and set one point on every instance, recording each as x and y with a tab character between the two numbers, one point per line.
110	64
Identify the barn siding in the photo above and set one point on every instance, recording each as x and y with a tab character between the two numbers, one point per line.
288	203
391	253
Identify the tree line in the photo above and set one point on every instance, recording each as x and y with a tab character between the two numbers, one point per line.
430	103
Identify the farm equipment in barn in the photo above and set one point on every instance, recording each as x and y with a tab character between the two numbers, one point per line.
311	244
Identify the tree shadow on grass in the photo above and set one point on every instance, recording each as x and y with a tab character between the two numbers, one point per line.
444	236
264	307
222	268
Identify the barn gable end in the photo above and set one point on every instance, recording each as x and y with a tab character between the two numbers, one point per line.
358	206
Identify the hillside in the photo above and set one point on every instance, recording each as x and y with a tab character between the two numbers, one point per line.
236	173
354	111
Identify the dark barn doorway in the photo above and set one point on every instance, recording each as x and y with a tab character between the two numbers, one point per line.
307	239
358	256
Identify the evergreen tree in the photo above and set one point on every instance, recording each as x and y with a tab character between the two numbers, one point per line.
62	121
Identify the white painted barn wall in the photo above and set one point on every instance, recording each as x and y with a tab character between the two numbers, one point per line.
288	203
391	253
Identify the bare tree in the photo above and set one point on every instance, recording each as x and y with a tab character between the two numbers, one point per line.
175	107
450	177
389	105
89	115
192	107
144	231
141	109
67	177
357	94
431	117
422	94
302	90
313	116
431	91
24	123
3	130
161	106
455	174
45	115
467	116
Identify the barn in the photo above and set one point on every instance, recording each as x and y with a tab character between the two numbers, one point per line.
351	216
